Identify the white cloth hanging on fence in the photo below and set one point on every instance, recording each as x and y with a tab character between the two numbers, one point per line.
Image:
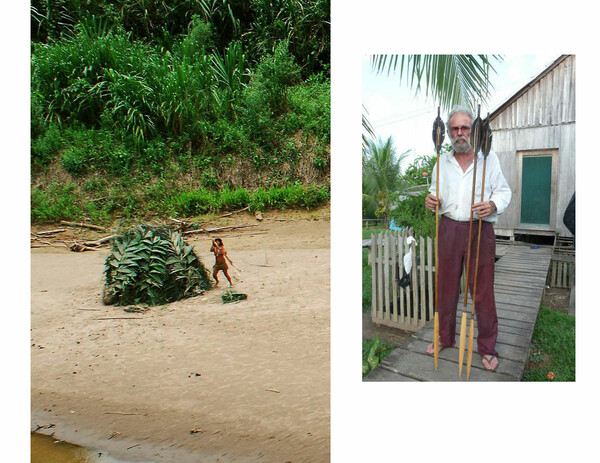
408	255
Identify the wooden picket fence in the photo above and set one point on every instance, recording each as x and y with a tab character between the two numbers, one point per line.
406	308
562	270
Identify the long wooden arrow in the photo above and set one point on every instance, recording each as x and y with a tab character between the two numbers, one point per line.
438	139
476	143
485	149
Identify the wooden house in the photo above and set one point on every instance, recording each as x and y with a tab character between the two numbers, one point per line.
534	138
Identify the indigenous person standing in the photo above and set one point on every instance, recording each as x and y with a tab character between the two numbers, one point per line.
455	194
220	253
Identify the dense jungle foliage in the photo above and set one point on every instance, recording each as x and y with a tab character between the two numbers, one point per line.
180	107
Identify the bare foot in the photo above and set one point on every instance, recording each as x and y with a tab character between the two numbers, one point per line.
490	362
430	351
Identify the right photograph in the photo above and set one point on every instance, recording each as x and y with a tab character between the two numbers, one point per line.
468	218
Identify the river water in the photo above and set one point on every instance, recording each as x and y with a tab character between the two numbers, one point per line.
45	449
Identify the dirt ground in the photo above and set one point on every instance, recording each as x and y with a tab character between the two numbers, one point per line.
195	380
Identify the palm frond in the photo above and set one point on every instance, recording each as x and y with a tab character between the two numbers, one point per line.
450	79
152	265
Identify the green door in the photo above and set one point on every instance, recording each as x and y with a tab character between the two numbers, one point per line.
536	190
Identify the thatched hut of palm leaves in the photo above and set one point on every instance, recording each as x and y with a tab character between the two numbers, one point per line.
152	265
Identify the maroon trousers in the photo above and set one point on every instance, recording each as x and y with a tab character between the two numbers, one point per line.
453	237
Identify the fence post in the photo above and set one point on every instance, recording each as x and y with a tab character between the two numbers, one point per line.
400	251
395	277
380	276
386	275
415	305
373	252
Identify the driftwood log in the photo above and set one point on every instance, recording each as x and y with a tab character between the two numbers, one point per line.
84	225
211	230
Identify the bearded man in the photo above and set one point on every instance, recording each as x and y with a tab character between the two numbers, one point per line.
455	192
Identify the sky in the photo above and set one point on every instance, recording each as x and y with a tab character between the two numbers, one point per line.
394	110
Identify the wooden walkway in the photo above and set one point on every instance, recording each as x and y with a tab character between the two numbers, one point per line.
519	286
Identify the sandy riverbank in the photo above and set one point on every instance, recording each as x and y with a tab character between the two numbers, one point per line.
251	377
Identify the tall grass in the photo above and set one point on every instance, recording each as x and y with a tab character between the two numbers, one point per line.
102	202
296	196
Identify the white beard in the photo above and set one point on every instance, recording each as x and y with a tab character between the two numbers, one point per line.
460	148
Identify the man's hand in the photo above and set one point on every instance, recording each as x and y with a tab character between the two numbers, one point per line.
431	201
484	209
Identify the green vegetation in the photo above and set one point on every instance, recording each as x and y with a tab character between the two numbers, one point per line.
380	177
136	105
232	296
410	209
552	347
373	352
449	79
151	265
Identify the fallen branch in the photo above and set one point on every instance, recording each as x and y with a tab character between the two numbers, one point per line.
76	247
210	230
48	243
99	241
85	225
50	232
119	318
235	212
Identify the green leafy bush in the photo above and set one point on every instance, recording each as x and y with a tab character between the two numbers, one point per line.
74	160
152	265
57	202
373	352
46	145
310	103
410	211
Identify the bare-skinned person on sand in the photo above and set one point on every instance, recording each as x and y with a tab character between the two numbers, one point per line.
218	249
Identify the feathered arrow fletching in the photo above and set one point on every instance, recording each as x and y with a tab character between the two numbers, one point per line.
487	137
439	131
476	133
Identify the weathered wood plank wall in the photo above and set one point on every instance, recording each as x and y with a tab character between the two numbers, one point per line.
541	118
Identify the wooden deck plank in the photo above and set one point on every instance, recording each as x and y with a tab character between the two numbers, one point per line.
382	374
508	367
420	367
520	279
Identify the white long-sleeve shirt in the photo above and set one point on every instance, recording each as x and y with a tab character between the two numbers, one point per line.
456	187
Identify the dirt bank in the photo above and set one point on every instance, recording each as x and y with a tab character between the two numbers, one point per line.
251	379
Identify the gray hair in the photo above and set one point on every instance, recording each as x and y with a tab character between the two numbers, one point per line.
457	110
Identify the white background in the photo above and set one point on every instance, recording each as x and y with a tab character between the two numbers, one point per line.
371	422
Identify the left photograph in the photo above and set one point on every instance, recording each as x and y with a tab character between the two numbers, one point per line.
180	231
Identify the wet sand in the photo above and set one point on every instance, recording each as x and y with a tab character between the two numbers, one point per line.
250	379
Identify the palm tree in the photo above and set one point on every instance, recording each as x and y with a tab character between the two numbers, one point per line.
449	79
368	131
381	175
